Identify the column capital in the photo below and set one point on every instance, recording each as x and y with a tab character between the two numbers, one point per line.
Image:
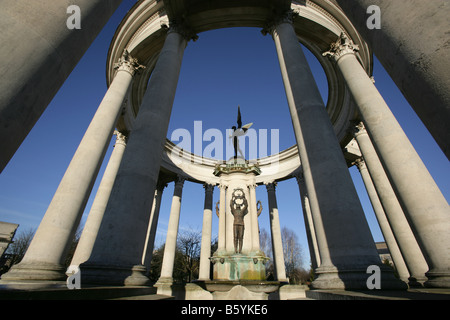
287	16
182	29
179	181
252	185
343	45
298	175
222	186
179	184
161	185
361	164
358	128
121	138
209	187
270	185
128	63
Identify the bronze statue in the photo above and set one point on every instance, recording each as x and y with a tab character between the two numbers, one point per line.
239	208
237	132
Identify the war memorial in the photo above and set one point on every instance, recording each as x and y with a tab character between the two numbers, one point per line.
355	127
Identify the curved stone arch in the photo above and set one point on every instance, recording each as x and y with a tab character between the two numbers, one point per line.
319	23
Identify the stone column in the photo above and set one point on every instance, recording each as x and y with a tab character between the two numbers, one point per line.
117	253
412	45
344	260
152	226
205	252
254	220
275	230
47	251
383	222
416	190
309	224
172	233
90	230
37	54
412	254
222	219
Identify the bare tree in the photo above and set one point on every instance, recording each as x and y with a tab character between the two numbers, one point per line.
189	244
265	244
21	242
293	257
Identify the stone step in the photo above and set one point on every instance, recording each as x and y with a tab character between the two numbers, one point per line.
23	292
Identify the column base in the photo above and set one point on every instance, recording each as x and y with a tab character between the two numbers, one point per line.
114	275
35	272
165	286
416	282
437	279
354	278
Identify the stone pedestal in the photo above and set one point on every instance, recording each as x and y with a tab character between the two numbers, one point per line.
239	174
241	290
239	275
239	267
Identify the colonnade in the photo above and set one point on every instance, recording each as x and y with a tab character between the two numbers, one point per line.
338	233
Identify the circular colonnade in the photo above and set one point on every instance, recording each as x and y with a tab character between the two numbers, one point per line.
143	67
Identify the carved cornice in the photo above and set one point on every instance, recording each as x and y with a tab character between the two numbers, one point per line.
341	47
128	63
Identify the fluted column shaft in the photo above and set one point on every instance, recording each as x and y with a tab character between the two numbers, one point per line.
152	226
49	247
309	223
254	219
275	230
90	230
222	219
383	222
416	190
344	260
172	233
205	251
412	45
131	200
412	254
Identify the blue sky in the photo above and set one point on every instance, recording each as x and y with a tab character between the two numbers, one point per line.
223	69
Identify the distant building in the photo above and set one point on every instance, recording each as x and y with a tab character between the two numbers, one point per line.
383	252
7	232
